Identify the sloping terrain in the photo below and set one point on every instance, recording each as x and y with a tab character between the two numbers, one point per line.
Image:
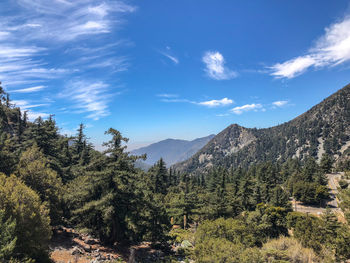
171	150
325	128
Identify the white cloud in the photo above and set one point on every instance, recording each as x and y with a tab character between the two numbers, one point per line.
32	115
24	104
32	24
91	98
293	67
4	35
170	100
18	66
172	58
215	66
248	107
33	33
223	115
28	90
81	18
167	95
332	49
173	98
27	106
280	103
216	103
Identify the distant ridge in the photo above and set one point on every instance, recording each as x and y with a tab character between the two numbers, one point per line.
171	150
325	128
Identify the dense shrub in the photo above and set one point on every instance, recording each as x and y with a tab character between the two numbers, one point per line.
22	204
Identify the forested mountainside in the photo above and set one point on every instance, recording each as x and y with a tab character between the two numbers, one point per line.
172	150
243	214
47	179
325	128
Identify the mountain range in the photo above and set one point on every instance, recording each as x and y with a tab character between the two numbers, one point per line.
325	128
171	150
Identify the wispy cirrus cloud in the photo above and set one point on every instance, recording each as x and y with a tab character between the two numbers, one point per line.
169	54
332	49
215	66
208	103
20	65
248	107
29	90
167	95
90	98
171	57
27	106
43	43
69	20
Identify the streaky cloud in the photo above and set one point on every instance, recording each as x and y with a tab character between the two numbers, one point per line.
89	97
248	107
216	103
330	50
29	90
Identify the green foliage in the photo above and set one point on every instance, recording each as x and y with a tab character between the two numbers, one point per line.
113	200
298	138
238	204
32	228
7	236
234	230
345	202
268	221
217	242
323	234
307	229
343	184
326	163
218	250
309	186
179	235
33	169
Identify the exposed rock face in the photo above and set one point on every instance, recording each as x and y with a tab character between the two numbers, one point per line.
325	128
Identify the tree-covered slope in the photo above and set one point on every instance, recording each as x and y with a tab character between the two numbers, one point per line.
325	128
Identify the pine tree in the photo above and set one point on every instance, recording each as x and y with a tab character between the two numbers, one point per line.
245	193
326	163
8	237
280	198
159	177
330	226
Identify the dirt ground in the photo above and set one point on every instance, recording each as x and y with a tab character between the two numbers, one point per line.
68	246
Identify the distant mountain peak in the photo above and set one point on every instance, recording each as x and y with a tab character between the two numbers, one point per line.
325	128
172	150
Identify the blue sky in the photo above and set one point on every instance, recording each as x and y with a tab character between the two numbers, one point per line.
162	69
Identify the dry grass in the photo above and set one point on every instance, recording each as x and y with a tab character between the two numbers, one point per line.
289	249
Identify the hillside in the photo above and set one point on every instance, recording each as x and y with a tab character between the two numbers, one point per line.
172	150
325	128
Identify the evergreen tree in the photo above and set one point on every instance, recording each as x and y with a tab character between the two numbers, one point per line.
34	170
326	163
159	177
330	226
280	198
7	237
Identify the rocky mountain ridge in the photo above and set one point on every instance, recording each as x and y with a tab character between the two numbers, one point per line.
325	128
